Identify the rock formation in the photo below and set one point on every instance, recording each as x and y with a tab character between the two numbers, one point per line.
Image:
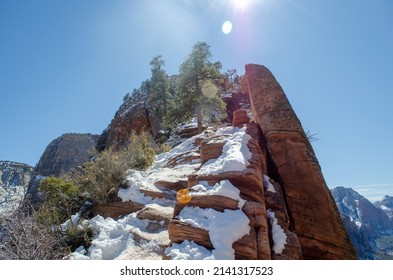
369	225
61	156
14	179
291	212
291	162
253	191
133	115
65	153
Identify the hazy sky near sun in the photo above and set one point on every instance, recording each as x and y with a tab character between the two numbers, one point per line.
65	66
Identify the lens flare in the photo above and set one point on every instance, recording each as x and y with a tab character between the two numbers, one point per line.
227	27
183	196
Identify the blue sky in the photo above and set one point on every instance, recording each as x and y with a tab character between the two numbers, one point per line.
66	65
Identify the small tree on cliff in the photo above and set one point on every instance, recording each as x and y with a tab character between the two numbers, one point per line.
231	77
196	94
159	86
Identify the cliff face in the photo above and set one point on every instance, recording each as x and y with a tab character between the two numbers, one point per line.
133	115
14	179
291	162
65	153
61	156
369	225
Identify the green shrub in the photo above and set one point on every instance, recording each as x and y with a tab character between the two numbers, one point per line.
140	150
105	173
62	199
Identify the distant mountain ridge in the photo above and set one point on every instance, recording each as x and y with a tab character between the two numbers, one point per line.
369	225
14	179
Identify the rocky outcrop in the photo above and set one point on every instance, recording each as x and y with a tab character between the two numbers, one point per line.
61	156
240	117
14	179
291	213
66	153
135	114
368	225
235	100
291	162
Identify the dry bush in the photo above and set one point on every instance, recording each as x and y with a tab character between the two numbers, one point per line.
21	238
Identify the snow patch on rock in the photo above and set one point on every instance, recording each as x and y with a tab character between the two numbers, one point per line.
224	228
278	234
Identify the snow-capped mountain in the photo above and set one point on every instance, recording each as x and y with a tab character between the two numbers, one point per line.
14	179
386	205
369	225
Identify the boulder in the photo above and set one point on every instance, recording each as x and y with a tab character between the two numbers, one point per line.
240	117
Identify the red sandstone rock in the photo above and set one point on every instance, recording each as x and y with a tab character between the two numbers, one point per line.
133	115
118	209
179	232
240	117
211	148
314	215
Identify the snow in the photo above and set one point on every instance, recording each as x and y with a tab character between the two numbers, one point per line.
278	234
186	146
71	222
129	238
268	186
188	250
224	228
135	182
383	207
223	188
235	154
113	239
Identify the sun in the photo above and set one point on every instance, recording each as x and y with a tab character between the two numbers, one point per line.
242	4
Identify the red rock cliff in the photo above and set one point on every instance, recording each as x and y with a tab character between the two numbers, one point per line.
312	213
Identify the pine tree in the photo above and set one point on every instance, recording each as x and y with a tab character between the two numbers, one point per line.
196	94
159	86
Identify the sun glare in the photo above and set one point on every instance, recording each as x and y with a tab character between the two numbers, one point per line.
241	4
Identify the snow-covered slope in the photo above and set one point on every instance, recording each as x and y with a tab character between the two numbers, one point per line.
14	179
144	234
